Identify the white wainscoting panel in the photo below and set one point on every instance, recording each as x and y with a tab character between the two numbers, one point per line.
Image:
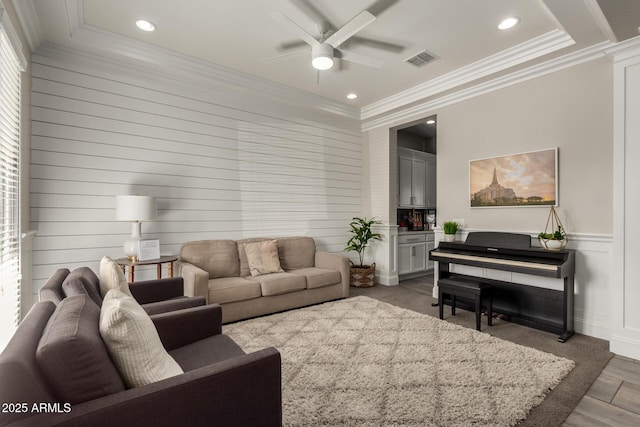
222	164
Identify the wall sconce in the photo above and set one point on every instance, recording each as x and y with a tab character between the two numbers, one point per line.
135	209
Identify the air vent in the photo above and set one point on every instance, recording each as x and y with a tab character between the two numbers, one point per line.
421	58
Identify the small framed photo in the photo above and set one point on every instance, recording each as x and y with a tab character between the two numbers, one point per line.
148	249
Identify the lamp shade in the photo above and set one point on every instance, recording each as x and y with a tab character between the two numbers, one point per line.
136	208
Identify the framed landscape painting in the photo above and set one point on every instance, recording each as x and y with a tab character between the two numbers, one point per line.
523	179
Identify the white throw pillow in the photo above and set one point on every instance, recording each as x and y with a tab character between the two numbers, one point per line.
262	257
133	342
112	277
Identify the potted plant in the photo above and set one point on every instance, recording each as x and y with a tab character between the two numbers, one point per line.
554	237
450	229
362	276
553	241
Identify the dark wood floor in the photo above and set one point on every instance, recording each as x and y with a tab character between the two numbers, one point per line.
613	399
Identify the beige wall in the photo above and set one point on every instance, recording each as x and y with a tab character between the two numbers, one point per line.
571	110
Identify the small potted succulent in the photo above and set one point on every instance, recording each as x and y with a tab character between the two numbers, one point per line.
450	229
554	237
553	241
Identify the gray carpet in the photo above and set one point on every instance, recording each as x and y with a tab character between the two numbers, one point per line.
590	355
363	362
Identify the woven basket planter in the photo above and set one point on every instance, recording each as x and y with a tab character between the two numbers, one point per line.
363	277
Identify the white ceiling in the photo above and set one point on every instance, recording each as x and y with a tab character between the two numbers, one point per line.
240	35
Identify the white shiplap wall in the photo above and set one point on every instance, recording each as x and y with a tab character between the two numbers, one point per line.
219	168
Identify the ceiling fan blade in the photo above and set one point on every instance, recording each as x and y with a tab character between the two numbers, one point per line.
359	58
296	29
284	55
308	8
298	44
363	19
377	44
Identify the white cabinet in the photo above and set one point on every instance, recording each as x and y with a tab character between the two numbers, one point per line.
416	179
412	252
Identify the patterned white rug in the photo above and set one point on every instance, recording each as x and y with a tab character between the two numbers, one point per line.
362	362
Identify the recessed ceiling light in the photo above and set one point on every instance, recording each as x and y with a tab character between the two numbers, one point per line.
508	23
352	96
431	122
145	25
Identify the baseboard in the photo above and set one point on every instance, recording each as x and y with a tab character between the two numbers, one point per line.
625	346
387	280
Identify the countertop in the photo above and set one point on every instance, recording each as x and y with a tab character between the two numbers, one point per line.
416	232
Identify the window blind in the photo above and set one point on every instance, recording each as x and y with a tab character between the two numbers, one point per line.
10	70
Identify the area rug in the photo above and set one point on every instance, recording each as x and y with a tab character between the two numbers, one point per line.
363	362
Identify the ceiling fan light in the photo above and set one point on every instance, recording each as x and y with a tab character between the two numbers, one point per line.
322	56
322	63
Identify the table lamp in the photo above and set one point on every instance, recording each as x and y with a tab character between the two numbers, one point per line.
135	209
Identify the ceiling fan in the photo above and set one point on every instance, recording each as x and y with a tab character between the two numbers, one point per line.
324	51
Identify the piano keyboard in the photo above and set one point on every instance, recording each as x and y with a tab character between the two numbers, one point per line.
496	261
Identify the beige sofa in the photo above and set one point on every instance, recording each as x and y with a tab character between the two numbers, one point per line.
218	270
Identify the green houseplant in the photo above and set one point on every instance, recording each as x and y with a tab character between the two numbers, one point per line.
554	237
450	229
553	241
361	234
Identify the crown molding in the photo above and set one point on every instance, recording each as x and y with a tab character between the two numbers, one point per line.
625	50
601	20
585	55
29	22
165	62
169	62
531	49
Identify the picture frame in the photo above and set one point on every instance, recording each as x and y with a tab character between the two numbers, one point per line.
528	179
148	249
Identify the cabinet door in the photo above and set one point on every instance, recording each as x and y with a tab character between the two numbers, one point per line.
418	181
430	245
404	259
430	191
404	181
419	257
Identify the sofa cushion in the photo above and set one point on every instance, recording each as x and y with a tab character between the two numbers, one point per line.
206	352
133	341
72	355
319	277
263	257
279	283
112	277
296	252
20	377
83	280
219	258
232	289
52	289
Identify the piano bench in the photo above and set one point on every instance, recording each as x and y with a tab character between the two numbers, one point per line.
469	287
